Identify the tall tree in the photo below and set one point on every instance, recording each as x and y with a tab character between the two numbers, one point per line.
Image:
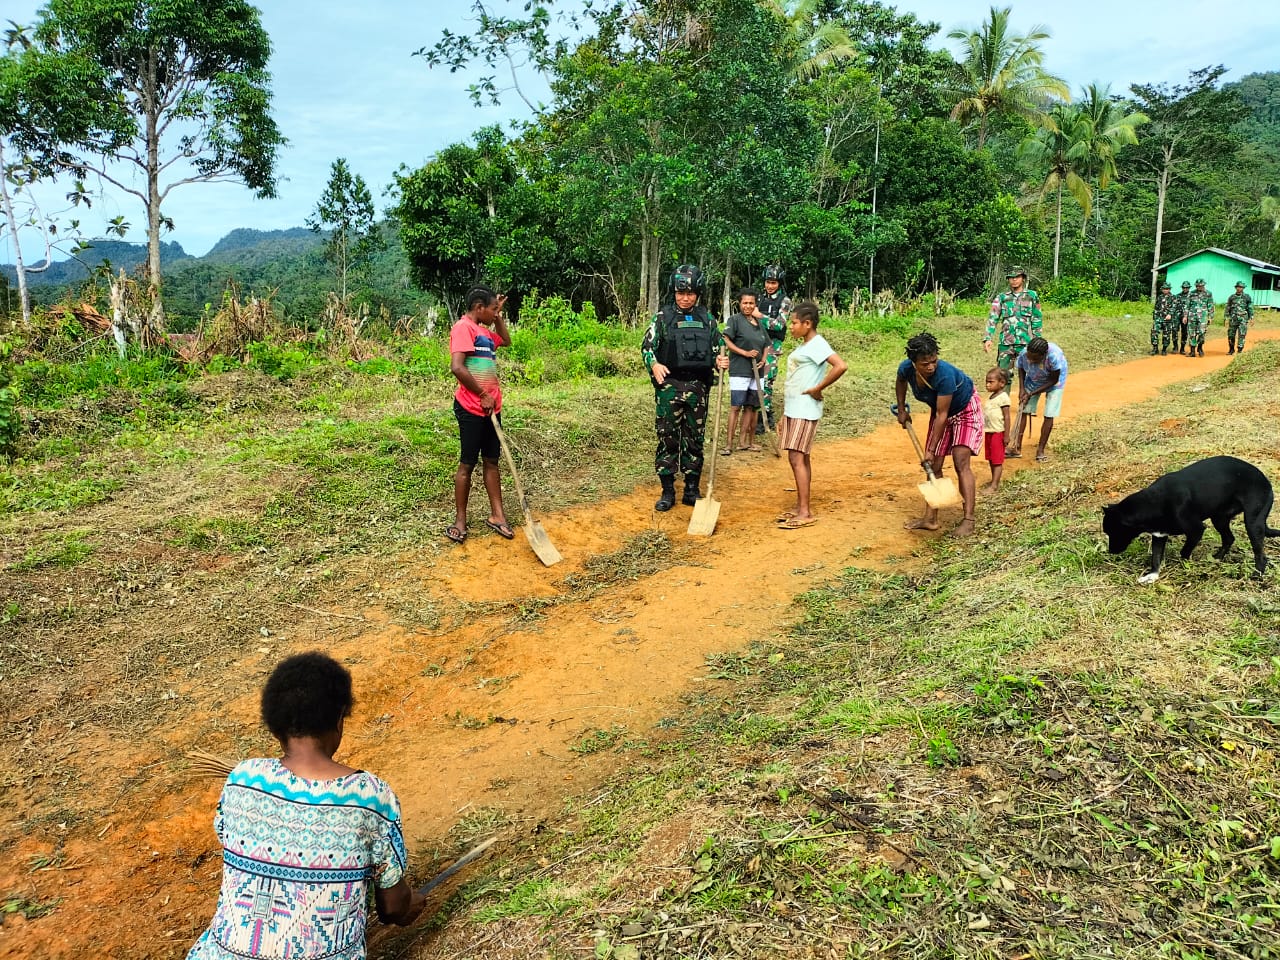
1192	123
192	75
345	210
820	41
1059	147
1001	73
43	111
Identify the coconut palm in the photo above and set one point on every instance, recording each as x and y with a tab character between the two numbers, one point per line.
1001	73
820	43
1061	146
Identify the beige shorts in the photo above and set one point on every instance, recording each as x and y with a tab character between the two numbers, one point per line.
794	434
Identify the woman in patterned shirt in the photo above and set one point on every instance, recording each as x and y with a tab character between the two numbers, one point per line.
304	838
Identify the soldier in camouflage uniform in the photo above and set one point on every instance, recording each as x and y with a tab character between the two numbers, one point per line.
1199	316
1237	313
773	309
1016	315
1180	316
1162	323
681	351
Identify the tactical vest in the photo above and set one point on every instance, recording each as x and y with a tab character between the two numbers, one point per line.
686	343
771	307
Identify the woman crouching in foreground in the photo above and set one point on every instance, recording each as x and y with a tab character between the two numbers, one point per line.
955	421
304	837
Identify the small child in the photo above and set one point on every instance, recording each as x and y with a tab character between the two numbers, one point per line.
995	423
811	368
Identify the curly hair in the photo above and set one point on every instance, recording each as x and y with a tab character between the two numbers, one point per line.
482	295
1038	346
307	695
922	345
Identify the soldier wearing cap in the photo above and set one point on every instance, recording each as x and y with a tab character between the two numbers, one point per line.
1015	315
1180	316
1162	325
1199	316
1238	313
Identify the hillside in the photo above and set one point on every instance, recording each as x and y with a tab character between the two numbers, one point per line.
77	269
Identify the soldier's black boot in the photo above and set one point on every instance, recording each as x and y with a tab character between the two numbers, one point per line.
668	498
691	494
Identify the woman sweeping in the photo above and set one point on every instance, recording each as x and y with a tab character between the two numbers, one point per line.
955	421
304	837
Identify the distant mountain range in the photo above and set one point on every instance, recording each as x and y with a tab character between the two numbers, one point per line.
286	265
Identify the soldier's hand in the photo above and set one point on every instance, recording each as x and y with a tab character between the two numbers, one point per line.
986	346
722	362
660	373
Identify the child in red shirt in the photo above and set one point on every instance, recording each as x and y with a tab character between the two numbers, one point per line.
473	344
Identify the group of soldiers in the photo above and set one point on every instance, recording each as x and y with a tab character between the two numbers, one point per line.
1179	321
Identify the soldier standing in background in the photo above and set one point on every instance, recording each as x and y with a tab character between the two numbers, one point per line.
1162	321
680	351
1199	316
1180	315
1237	313
773	309
1015	315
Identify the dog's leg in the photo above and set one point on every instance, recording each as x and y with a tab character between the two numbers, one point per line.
1223	525
1256	527
1194	532
1158	543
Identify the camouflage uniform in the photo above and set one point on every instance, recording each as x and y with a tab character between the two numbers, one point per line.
1238	312
777	312
680	419
1019	315
1180	317
1199	316
1163	321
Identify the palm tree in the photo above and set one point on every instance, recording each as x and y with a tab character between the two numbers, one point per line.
1061	145
820	43
1106	128
1001	73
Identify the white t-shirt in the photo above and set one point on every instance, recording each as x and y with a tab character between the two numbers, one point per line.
806	368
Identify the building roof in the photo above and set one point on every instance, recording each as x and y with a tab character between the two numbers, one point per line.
1261	266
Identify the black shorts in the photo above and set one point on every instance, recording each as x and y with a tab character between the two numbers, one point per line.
477	435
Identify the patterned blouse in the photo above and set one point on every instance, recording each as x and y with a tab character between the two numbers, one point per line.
299	857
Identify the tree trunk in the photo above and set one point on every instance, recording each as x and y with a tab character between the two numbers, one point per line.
151	108
23	296
642	292
654	264
1057	236
118	313
728	285
1162	190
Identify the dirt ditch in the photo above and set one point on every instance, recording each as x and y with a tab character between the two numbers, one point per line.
501	717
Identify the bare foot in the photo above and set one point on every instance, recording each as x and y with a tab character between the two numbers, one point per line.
988	490
920	523
963	529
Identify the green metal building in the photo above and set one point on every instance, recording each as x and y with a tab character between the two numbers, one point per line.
1221	269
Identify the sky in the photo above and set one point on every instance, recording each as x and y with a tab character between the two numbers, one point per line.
346	84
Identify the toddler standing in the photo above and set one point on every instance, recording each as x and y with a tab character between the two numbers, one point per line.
995	424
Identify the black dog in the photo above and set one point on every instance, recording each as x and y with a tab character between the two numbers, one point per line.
1177	504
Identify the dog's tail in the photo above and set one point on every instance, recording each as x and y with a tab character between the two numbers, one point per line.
1273	532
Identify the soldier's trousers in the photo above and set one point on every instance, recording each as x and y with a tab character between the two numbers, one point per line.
1195	333
1236	330
770	375
1007	359
1162	332
1180	335
680	423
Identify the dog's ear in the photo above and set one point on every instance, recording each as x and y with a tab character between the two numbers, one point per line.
1107	508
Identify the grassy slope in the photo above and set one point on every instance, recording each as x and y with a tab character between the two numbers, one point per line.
961	764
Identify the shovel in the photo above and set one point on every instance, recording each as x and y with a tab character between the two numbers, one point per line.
764	412
707	510
537	537
937	491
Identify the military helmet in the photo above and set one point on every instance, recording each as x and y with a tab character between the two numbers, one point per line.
1239	283
1015	272
1200	283
1186	284
775	272
1165	285
687	279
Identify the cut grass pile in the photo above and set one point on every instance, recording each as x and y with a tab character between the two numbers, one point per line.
1018	754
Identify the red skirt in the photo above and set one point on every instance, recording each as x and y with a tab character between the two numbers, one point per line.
963	429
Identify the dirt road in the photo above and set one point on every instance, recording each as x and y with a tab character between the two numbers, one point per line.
499	716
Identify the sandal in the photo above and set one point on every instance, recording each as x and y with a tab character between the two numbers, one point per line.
455	533
1041	457
795	523
501	529
784	516
754	448
726	452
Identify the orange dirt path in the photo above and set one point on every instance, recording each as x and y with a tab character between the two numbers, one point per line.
486	717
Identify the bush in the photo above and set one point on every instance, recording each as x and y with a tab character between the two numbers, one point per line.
281	360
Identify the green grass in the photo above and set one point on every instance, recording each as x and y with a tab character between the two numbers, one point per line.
938	765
